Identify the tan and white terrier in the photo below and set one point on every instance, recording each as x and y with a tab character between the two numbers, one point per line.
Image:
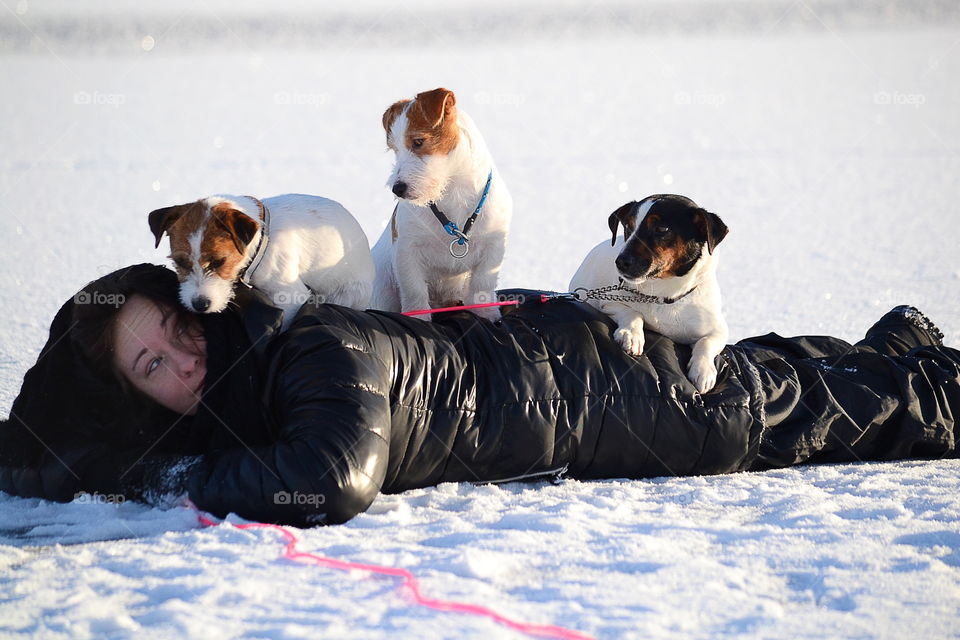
446	239
294	248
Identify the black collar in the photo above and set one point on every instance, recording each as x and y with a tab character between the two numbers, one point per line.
247	272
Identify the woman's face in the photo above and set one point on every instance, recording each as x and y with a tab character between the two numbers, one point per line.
165	364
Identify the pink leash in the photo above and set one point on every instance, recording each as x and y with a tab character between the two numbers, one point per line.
409	581
461	307
543	297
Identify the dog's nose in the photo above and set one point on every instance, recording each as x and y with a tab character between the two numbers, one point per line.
624	262
399	189
200	303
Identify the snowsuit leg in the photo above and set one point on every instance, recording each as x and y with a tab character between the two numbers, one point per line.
900	330
893	395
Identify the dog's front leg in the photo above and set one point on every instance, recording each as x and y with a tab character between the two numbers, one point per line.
629	333
482	290
412	282
702	369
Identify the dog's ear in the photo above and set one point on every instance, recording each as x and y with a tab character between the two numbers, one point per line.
391	114
625	215
163	219
241	227
711	227
436	105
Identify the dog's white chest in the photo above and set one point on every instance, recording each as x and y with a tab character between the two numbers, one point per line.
682	321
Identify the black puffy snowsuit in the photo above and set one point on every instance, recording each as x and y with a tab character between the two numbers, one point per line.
356	403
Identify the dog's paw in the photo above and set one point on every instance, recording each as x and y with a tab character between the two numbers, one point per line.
703	374
631	340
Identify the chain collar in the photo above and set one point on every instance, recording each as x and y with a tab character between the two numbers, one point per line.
630	295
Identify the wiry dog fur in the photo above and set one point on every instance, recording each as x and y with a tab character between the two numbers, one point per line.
667	249
441	158
314	251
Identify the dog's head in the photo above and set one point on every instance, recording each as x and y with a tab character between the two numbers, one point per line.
211	240
422	132
664	236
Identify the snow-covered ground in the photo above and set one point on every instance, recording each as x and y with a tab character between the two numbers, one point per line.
826	135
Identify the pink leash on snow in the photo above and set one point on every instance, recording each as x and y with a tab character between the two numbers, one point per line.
409	581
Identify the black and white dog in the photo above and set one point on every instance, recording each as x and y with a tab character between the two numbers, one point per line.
666	267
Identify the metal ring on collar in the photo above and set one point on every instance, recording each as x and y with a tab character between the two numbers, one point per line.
466	247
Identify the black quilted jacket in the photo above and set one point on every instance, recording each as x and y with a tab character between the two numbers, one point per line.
363	402
367	402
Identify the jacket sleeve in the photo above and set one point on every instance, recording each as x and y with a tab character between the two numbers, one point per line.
329	397
66	470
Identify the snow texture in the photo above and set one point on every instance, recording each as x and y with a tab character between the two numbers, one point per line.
825	134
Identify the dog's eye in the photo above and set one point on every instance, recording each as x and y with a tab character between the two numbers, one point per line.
182	263
417	143
215	264
662	231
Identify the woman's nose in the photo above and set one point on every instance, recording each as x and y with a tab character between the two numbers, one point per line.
187	363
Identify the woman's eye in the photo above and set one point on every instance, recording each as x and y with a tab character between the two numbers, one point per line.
153	365
417	143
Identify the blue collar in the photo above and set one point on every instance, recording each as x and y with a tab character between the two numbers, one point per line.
460	237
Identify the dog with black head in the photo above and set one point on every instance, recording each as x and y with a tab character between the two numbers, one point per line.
664	267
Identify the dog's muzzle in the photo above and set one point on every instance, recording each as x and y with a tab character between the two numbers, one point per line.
632	269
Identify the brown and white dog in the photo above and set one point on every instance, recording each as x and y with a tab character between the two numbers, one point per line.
442	163
666	265
294	248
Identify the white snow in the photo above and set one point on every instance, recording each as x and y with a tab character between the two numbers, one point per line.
825	134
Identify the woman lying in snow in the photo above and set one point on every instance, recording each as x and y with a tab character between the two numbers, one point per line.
133	395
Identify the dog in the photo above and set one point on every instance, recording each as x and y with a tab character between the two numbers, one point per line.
446	238
294	248
666	266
